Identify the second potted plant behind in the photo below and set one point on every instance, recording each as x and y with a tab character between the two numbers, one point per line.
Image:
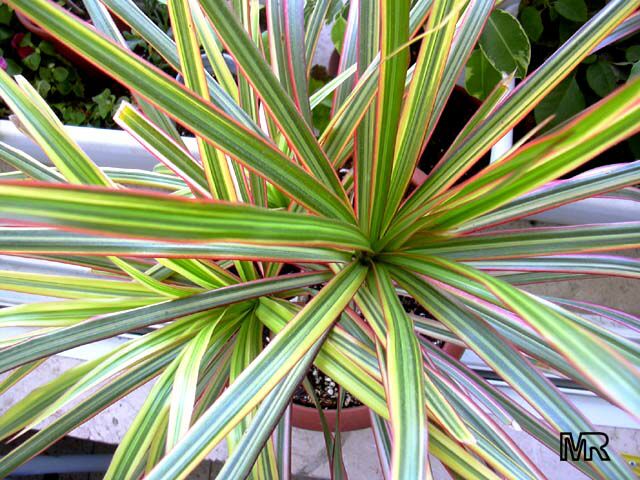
68	53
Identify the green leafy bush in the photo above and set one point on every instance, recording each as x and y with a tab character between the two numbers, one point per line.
77	98
549	25
503	50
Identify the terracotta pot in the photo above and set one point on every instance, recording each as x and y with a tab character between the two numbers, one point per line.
355	418
418	177
454	351
308	418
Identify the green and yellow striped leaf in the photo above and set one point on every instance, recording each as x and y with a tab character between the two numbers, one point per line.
404	381
146	215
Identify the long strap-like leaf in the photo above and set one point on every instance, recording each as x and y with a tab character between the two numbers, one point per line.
611	120
614	265
137	376
394	25
160	41
38	241
405	385
279	104
47	131
143	215
215	164
524	419
416	117
347	362
287	47
517	243
368	46
28	165
592	356
559	193
239	464
511	365
104	23
177	158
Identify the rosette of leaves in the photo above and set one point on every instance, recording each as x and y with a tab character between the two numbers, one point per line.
260	232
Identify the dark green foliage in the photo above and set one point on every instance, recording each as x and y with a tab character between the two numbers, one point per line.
503	49
78	96
549	24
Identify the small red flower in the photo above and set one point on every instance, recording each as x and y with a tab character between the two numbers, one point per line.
22	51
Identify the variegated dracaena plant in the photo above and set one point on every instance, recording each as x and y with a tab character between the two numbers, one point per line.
199	246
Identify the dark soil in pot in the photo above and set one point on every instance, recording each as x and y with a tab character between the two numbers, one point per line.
457	112
414	308
353	414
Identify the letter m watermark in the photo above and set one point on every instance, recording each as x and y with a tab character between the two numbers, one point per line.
580	450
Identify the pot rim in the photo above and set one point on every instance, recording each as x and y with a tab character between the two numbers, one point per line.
351	418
